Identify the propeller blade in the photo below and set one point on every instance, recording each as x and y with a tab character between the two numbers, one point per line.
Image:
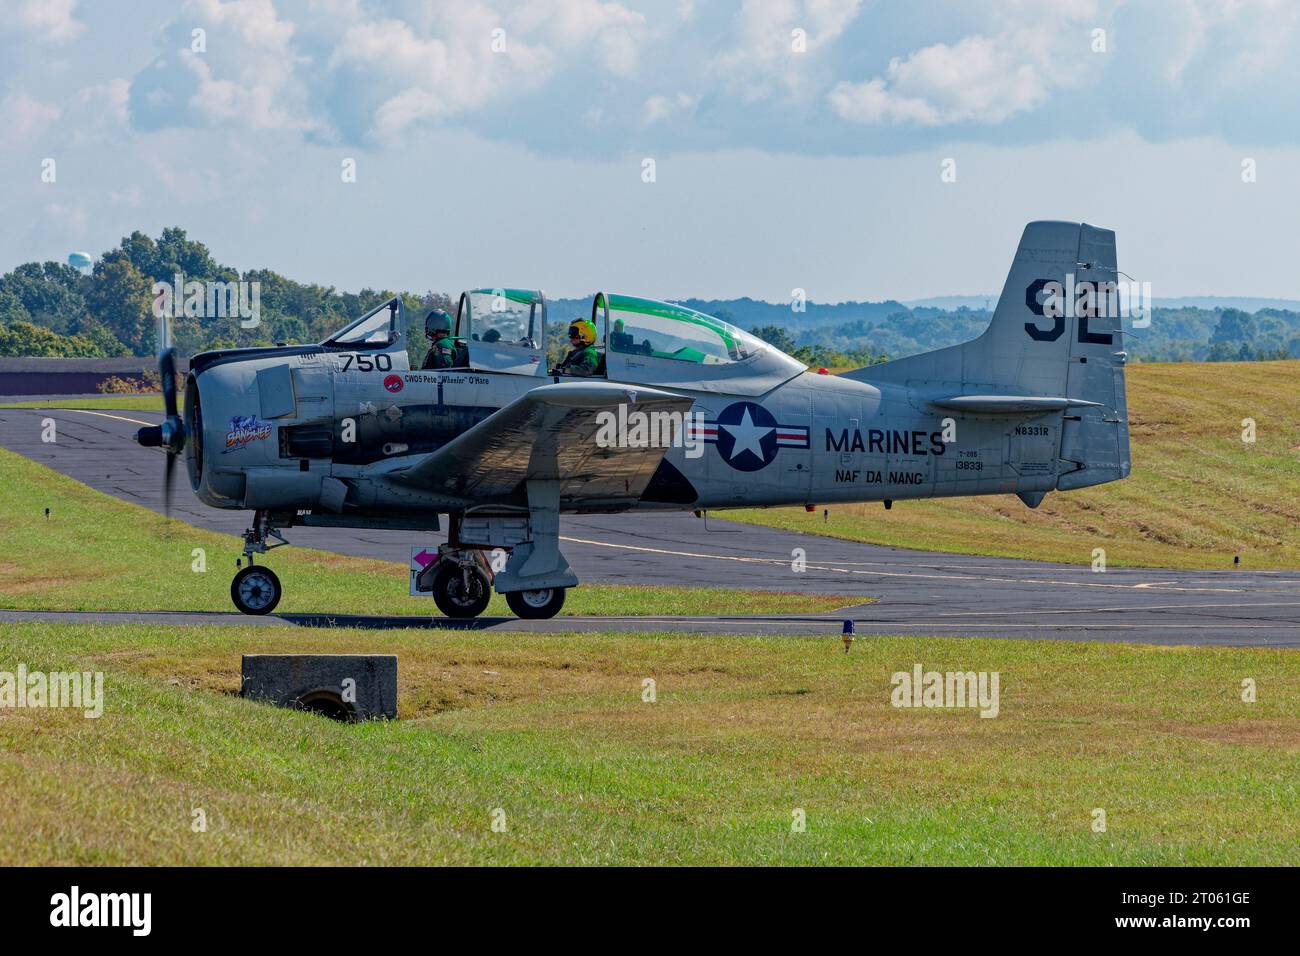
167	373
167	484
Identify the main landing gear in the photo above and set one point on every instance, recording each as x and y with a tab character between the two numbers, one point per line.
533	576
461	583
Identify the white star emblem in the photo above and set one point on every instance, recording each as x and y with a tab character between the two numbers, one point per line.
748	437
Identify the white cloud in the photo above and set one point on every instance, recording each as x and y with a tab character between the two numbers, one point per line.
976	80
449	67
246	75
24	118
432	77
51	19
657	108
763	62
574	23
98	111
1030	49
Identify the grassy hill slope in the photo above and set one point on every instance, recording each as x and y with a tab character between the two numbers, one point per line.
1198	494
745	737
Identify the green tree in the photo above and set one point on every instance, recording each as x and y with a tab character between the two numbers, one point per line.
119	298
777	337
24	338
1234	326
90	329
11	306
49	293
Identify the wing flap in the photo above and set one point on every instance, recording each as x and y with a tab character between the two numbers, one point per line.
549	433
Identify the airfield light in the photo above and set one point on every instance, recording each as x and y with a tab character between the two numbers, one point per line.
847	636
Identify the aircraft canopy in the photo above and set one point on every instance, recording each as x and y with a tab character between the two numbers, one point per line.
504	329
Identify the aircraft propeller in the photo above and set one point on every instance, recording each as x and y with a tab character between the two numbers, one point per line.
170	435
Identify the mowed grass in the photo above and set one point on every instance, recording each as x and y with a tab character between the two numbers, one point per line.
1197	496
552	730
97	553
144	403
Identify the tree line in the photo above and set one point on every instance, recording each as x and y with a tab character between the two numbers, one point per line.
52	309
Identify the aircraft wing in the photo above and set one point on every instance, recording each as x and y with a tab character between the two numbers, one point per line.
549	433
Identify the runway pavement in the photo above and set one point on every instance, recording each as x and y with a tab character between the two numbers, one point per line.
919	592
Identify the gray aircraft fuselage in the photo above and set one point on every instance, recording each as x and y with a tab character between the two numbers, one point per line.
1035	404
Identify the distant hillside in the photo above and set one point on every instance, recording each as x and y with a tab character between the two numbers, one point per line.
52	309
1211	302
750	313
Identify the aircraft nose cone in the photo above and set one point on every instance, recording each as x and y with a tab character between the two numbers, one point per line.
150	436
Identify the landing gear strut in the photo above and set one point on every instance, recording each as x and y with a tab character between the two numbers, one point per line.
257	590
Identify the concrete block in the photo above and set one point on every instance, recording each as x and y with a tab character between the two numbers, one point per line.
342	686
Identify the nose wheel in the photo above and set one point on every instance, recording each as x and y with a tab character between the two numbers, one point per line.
255	590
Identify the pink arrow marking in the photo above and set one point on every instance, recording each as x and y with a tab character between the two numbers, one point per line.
425	558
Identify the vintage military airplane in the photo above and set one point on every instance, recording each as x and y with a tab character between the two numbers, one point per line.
347	434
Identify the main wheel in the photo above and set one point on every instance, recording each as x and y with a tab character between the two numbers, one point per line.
453	597
255	590
542	603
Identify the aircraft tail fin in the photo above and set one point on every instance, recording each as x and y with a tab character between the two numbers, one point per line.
1055	334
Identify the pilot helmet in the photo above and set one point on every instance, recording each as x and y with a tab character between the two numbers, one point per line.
437	322
584	329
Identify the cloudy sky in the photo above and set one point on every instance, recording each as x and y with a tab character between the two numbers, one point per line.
795	143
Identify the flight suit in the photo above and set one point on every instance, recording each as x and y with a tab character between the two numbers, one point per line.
442	354
584	361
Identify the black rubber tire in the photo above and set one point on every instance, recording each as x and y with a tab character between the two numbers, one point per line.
263	592
449	591
536	605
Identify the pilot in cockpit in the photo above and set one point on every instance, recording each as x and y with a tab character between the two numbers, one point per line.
583	359
442	347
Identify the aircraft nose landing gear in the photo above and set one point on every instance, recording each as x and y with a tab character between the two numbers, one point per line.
256	590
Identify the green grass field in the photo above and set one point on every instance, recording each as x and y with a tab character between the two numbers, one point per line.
745	736
146	403
552	730
1198	494
95	552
